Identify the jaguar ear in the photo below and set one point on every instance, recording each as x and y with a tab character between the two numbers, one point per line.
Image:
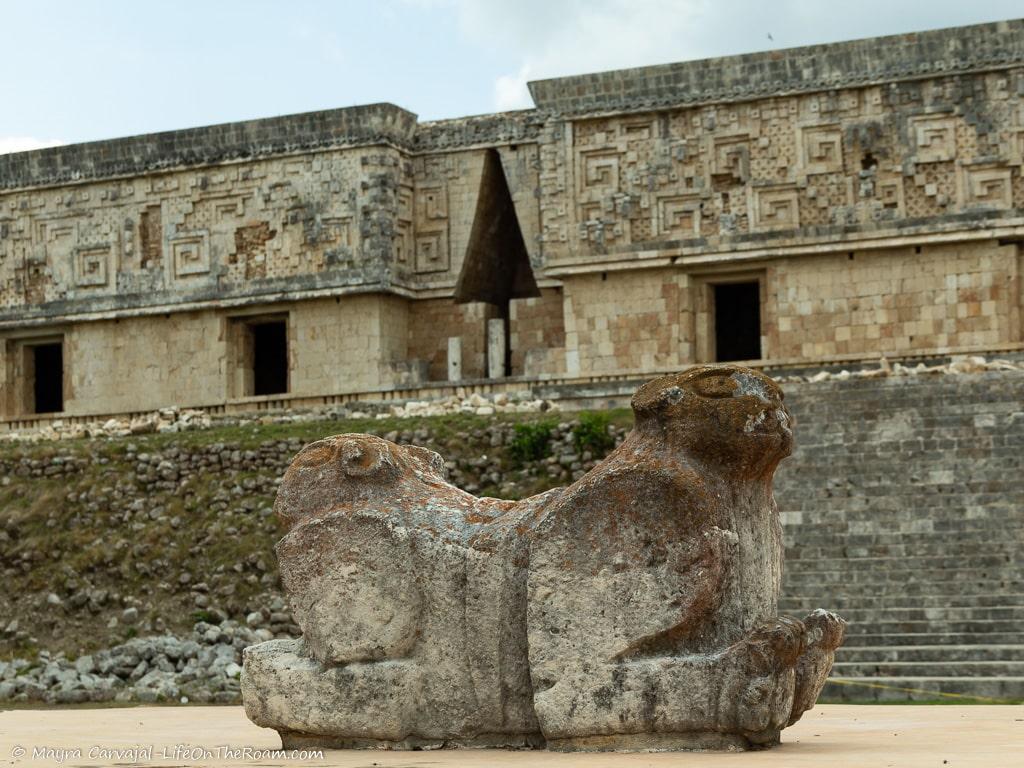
428	461
656	397
361	458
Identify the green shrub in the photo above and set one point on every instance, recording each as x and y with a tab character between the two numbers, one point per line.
591	434
532	442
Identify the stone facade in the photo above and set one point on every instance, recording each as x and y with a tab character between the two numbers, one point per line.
861	198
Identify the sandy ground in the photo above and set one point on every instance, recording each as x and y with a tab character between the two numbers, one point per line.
830	736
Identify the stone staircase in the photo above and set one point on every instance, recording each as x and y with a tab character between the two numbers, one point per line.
903	510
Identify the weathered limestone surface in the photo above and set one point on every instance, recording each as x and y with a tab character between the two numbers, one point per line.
635	609
411	595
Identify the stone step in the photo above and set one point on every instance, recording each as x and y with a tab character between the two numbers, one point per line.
938	546
855	580
841	545
872	639
835	600
945	688
835	538
798	603
887	523
981	626
904	503
948	614
920	472
835	541
831	595
949	654
910	563
868	494
881	523
929	669
989	579
918	452
927	440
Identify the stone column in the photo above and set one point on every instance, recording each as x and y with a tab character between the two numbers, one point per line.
496	348
455	358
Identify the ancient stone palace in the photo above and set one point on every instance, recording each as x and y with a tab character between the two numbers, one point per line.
823	204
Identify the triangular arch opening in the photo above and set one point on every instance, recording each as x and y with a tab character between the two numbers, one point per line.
496	268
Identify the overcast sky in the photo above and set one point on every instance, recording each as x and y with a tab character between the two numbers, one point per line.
79	70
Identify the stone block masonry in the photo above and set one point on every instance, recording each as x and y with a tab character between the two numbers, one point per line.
903	507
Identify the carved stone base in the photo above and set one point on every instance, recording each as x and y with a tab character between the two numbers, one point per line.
706	741
292	740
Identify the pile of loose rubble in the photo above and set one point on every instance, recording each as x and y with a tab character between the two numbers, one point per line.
958	365
969	365
202	668
164	420
184	419
516	402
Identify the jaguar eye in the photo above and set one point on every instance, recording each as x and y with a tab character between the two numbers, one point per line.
714	385
316	455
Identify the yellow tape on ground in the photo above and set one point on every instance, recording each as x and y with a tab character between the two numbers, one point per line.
840	681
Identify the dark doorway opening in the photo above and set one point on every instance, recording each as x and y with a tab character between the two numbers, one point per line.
737	321
270	358
48	378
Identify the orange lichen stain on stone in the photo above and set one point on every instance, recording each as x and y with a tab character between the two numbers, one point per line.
478	517
317	455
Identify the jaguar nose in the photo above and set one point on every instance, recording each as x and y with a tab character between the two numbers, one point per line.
785	420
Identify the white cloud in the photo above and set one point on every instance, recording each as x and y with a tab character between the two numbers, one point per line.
554	38
10	144
510	91
559	38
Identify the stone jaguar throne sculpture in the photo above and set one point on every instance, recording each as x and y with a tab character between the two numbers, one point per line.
633	610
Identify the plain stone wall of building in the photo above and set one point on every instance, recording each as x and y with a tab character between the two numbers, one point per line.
625	321
943	299
962	296
342	345
137	364
433	321
538	334
145	363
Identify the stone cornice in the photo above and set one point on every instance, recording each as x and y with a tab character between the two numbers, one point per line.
856	63
370	125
